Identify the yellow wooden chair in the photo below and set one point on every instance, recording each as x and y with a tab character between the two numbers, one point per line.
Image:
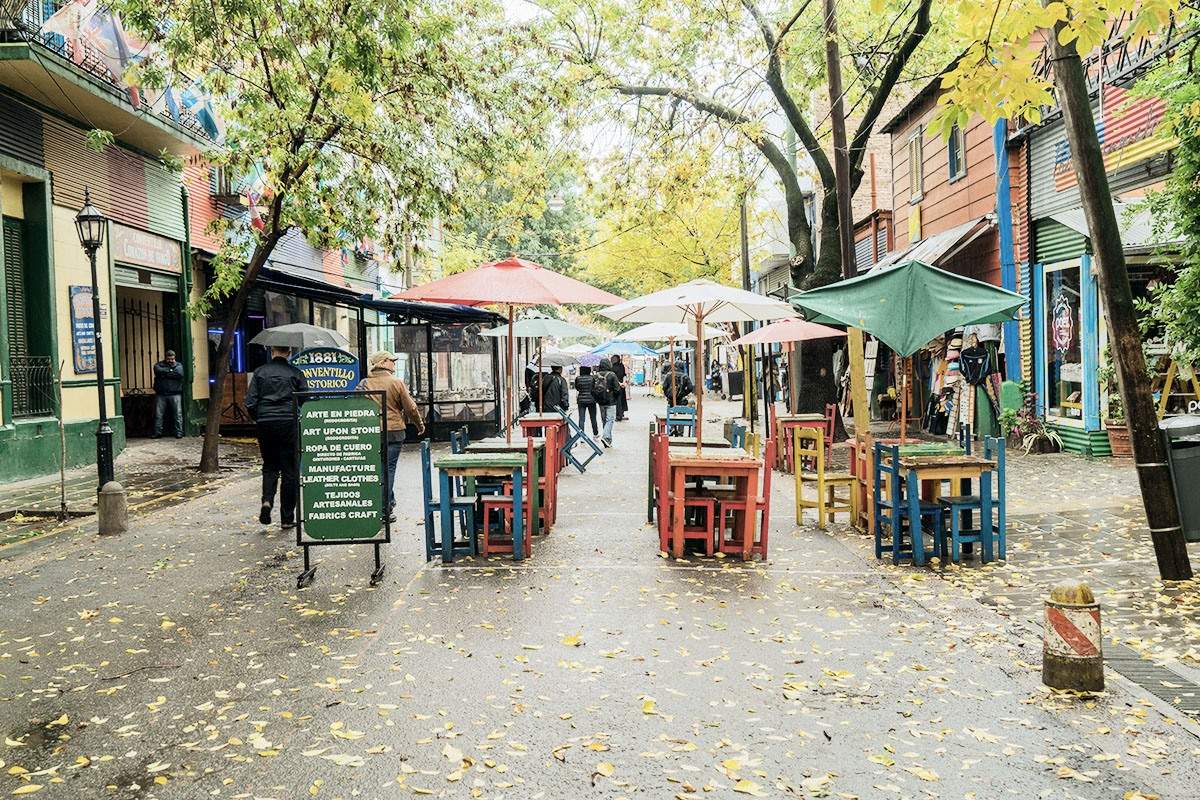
808	445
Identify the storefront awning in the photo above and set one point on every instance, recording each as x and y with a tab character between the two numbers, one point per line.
1137	227
942	246
431	312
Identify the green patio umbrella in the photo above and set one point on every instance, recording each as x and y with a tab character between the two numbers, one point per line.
907	306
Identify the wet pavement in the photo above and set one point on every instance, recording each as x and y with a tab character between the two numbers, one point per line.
179	661
155	473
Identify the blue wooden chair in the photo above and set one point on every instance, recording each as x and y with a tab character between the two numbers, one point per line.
462	505
681	421
894	510
576	435
737	435
958	507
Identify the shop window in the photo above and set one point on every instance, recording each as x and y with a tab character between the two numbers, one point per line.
463	377
283	309
325	316
956	151
916	166
412	365
1064	360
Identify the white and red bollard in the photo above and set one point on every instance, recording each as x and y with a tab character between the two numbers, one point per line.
1072	654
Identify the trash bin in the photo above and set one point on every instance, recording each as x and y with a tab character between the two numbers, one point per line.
1182	435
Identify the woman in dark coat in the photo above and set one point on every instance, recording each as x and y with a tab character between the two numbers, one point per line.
585	401
618	369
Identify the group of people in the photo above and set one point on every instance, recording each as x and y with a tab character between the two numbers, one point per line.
272	404
603	390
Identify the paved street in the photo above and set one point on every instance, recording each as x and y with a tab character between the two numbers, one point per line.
179	661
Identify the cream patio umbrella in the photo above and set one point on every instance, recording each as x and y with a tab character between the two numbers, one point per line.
670	331
694	303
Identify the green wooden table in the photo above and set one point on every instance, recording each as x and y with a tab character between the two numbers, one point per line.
504	466
498	444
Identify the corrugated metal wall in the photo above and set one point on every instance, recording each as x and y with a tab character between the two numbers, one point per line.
1049	145
294	254
863	255
126	186
1056	242
20	132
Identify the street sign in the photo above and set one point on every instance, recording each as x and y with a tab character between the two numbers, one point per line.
328	369
342	457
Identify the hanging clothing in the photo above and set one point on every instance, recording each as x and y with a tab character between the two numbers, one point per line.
975	364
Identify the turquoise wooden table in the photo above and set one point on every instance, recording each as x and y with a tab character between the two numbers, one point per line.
498	444
504	466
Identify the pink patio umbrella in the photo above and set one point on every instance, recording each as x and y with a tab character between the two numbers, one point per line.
511	282
786	331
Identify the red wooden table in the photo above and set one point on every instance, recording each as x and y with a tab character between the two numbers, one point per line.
784	425
553	427
735	463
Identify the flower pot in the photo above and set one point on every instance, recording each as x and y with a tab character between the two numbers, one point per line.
1118	438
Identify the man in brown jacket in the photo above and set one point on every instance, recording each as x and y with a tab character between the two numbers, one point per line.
401	412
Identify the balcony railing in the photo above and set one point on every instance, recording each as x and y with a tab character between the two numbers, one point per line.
25	25
32	386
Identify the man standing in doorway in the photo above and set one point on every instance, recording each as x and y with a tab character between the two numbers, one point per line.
401	412
168	390
271	403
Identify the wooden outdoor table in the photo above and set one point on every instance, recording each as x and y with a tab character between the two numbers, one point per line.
784	425
553	426
710	441
935	469
732	462
662	420
862	466
481	465
498	444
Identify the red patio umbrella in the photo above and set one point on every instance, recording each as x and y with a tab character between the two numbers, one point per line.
511	282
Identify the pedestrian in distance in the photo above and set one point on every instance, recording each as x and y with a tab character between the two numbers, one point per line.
272	404
585	400
618	368
606	391
402	411
168	394
556	394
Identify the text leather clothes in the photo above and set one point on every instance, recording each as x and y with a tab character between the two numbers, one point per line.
271	404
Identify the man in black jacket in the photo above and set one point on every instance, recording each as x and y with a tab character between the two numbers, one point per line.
618	369
556	393
271	403
168	390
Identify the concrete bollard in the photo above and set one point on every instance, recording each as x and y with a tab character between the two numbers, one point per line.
1072	655
112	510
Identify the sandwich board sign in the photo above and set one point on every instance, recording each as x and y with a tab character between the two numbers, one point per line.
341	439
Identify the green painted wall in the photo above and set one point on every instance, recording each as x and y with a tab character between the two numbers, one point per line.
1088	443
31	446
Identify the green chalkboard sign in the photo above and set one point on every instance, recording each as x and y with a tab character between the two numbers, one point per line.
341	470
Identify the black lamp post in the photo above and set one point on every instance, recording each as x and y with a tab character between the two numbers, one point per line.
90	225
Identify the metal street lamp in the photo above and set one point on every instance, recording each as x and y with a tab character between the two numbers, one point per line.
91	224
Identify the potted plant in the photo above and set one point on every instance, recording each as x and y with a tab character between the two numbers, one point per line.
1114	421
1031	430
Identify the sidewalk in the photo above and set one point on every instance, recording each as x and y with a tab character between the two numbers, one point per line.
154	472
179	661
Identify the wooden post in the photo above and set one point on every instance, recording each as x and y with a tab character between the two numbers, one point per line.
699	380
512	365
1125	341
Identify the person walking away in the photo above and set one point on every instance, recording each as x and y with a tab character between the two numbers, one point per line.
556	394
271	403
585	401
402	411
605	390
618	368
168	391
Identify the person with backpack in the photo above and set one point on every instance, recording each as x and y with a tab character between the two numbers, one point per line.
556	394
585	401
606	390
676	385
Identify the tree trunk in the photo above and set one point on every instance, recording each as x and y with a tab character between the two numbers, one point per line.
1149	450
828	267
209	453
